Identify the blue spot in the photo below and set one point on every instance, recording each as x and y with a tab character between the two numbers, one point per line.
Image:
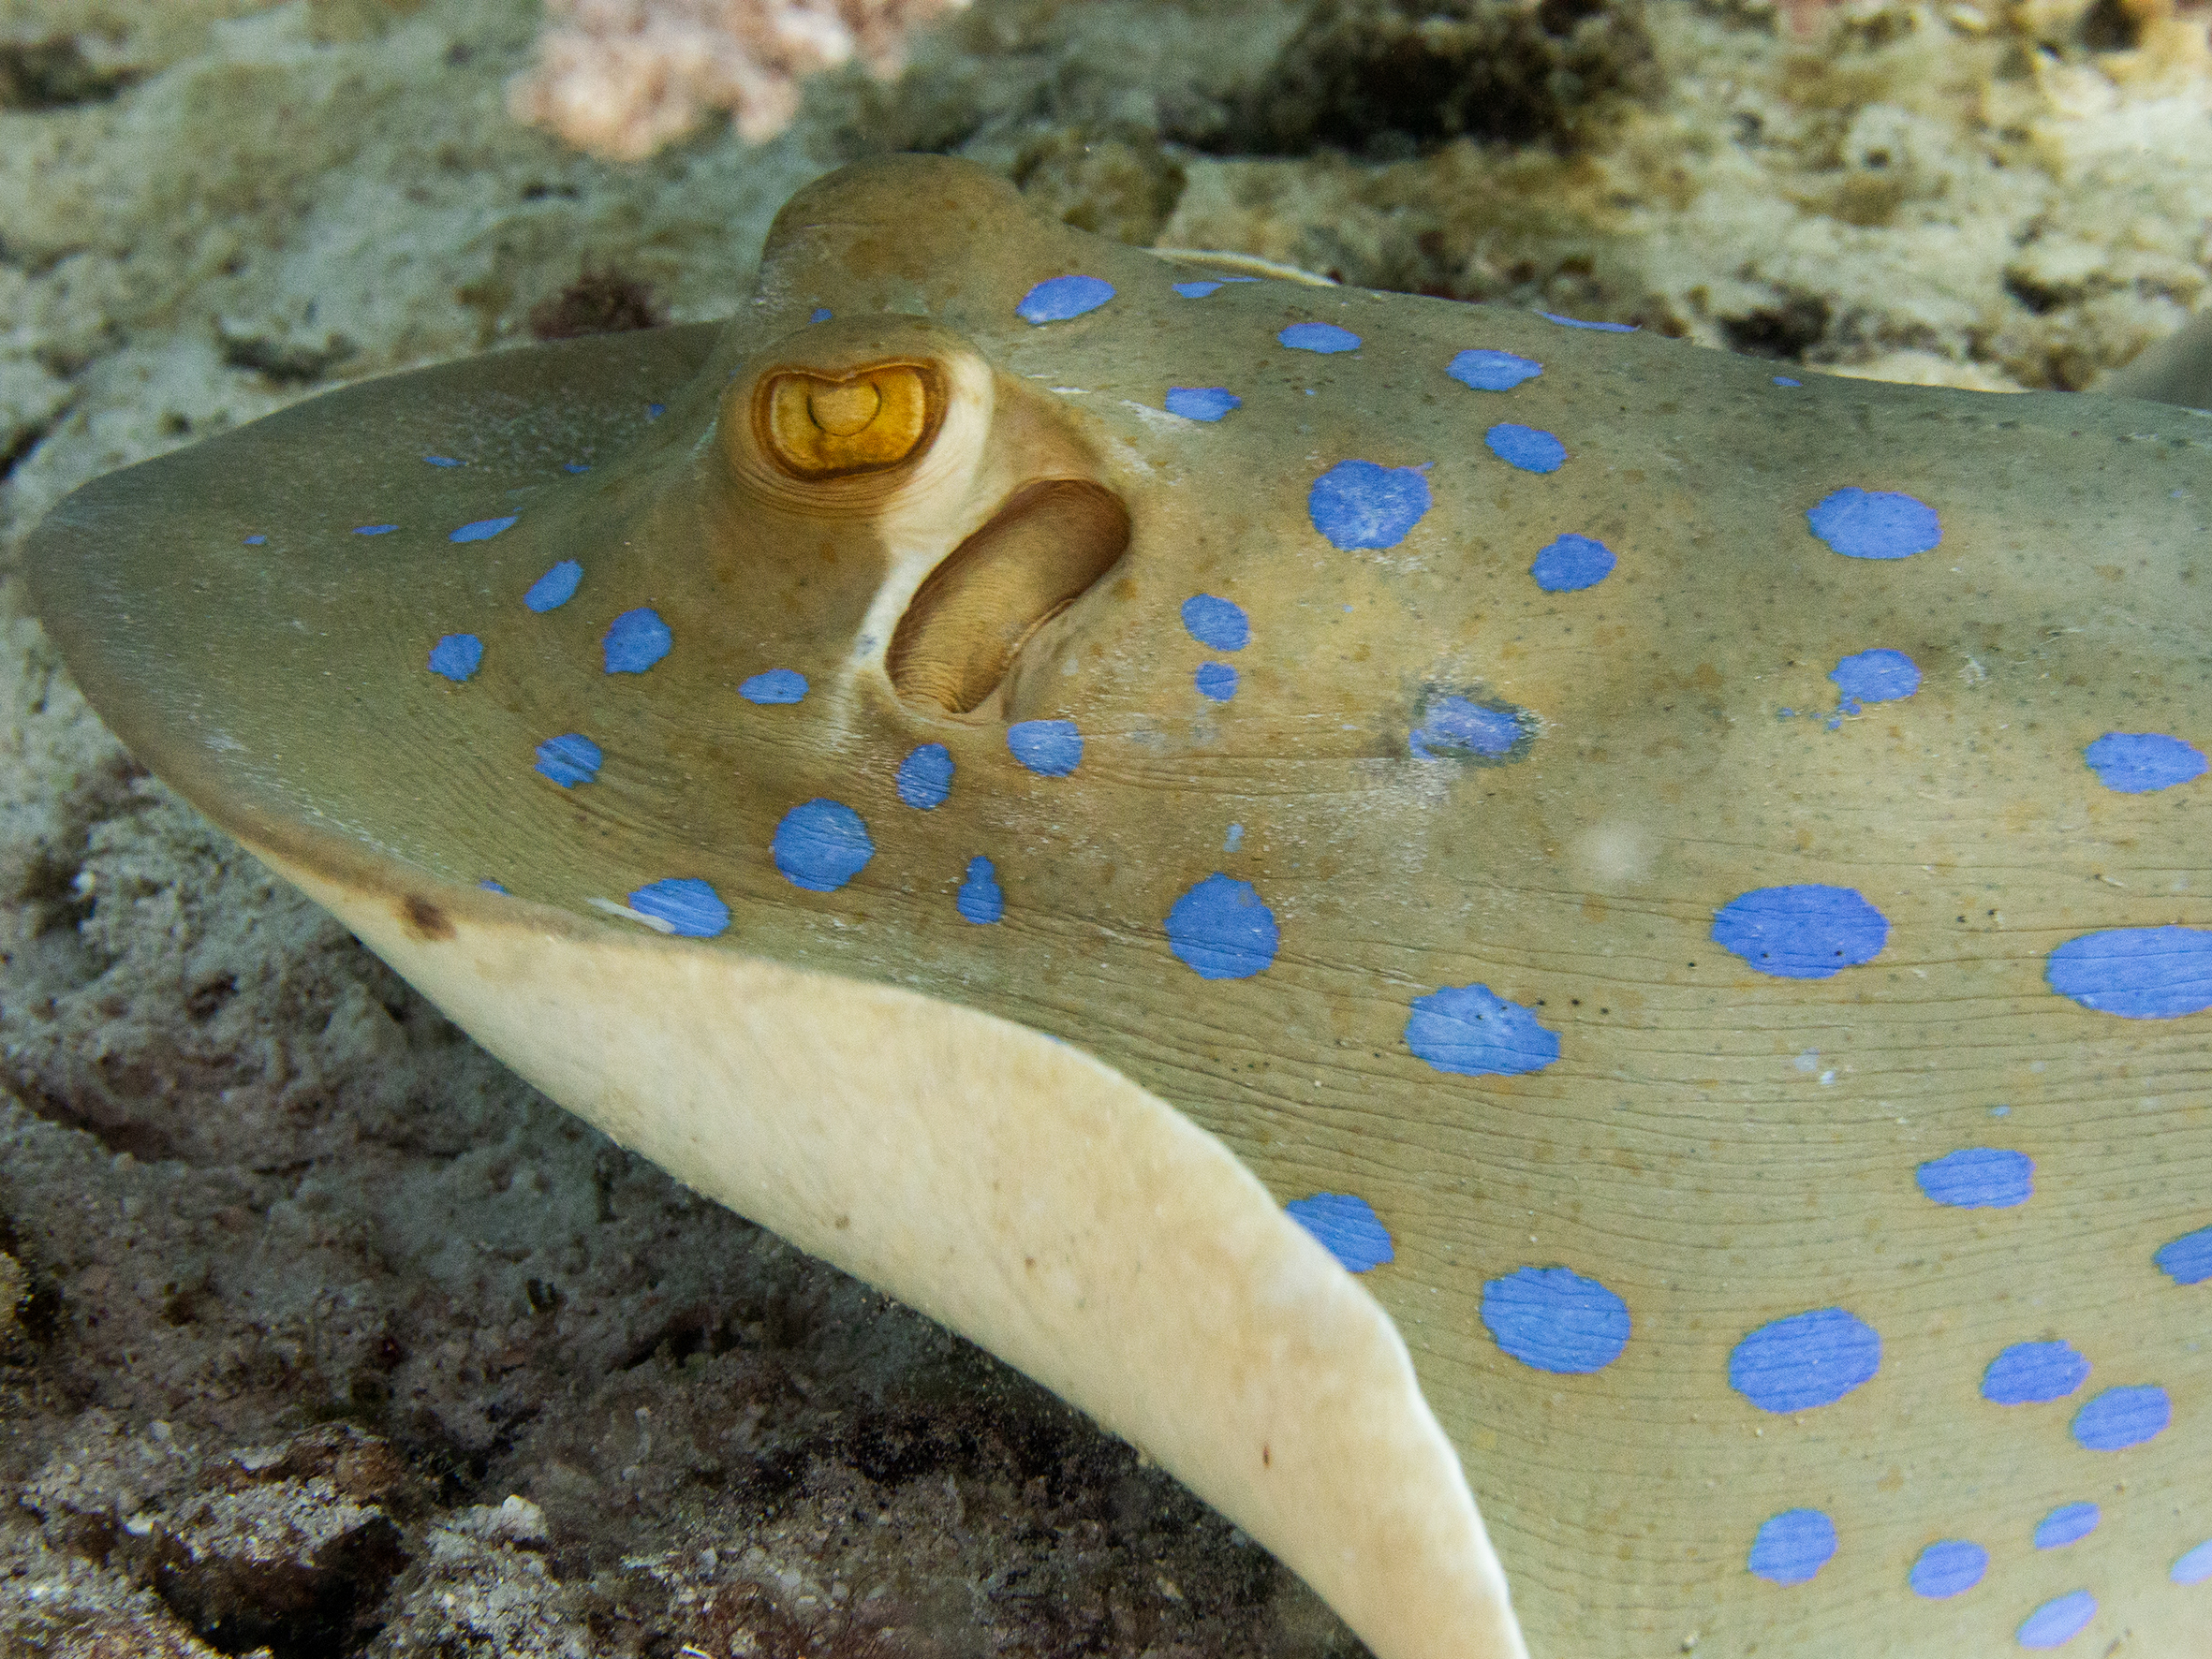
569	759
1785	380
1216	680
1808	1359
820	313
1978	1178
441	461
1573	564
1948	1567
636	641
255	541
1235	839
556	587
1216	623
654	411
374	529
2067	1524
1525	447
1057	298
1492	371
1806	932
925	777
2138	762
1553	1319
2029	1373
979	899
1792	1547
491	886
2057	1623
1576	322
1359	503
1875	677
1201	402
575	466
2120	1417
1347	1226
2194	1565
456	656
1453	726
1471	1031
2137	972
777	686
1875	523
482	529
821	845
1053	747
1196	290
1219	930
692	909
1322	337
2186	1260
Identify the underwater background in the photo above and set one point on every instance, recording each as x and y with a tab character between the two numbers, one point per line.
321	1333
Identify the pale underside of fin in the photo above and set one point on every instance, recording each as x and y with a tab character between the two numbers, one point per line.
1022	1193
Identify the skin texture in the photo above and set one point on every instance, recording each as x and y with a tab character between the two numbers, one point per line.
1600	1177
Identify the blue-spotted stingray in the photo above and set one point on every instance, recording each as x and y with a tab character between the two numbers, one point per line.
1570	976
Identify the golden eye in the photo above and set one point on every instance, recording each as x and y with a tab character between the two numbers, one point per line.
818	428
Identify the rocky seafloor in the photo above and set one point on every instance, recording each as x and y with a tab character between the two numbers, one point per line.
322	1334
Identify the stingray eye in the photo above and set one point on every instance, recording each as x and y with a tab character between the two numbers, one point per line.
819	428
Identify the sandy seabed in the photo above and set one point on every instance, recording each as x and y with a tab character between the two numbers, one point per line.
320	1332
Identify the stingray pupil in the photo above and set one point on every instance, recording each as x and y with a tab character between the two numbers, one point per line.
843	410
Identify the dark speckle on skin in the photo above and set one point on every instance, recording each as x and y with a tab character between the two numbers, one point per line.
425	921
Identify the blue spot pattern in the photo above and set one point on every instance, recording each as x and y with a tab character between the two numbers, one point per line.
2121	1417
822	844
776	685
457	656
2057	1622
1201	402
1805	932
1361	504
1492	371
1453	726
1576	322
2136	973
483	530
1808	1359
979	899
820	313
1221	930
1058	297
1472	1032
2138	762
1529	448
491	886
1051	747
925	777
568	759
1221	624
636	641
1196	290
2030	1373
1792	1547
691	908
1786	380
1875	523
2067	1524
441	461
2186	1260
2192	1566
1978	1178
1875	677
1320	337
1555	1320
1948	1567
1347	1226
555	588
1573	564
374	529
1216	680
255	541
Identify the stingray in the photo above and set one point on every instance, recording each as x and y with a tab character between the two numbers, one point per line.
1569	974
